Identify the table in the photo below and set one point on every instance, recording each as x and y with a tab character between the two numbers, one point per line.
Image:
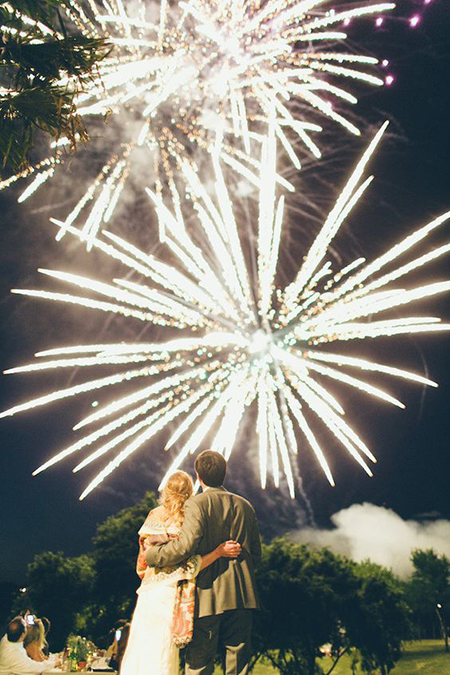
58	671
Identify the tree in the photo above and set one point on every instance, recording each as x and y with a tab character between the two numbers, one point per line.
381	620
307	599
115	551
57	587
429	587
36	55
313	597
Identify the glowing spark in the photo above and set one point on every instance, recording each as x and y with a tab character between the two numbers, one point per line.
245	343
197	69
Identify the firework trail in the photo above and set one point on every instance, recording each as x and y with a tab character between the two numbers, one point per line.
245	343
182	71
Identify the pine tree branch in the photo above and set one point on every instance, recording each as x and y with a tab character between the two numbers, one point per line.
41	74
49	109
74	56
45	11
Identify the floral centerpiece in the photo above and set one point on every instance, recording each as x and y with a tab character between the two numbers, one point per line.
80	650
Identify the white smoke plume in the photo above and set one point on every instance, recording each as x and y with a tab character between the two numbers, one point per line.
365	531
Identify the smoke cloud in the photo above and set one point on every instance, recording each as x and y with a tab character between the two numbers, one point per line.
367	531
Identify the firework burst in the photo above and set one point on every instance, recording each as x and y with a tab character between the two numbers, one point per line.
182	71
245	342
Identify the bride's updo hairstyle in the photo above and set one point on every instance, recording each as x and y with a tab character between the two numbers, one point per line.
177	490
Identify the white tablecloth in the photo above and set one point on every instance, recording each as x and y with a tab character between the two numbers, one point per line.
58	671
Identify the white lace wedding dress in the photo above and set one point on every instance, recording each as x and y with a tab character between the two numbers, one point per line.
150	649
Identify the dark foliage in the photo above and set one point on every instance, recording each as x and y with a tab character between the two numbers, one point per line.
115	553
382	619
58	588
33	63
313	598
428	593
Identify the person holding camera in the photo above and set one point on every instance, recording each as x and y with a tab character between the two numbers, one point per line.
34	641
14	659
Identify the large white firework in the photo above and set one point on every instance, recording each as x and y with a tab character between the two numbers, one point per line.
245	343
181	71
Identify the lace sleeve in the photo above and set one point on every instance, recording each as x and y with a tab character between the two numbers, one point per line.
153	531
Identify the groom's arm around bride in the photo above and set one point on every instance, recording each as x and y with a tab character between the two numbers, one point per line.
226	590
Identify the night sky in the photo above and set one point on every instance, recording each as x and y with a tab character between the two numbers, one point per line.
412	185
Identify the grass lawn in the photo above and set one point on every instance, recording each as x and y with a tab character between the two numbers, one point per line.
423	657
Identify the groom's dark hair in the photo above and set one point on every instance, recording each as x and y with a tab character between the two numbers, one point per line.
211	467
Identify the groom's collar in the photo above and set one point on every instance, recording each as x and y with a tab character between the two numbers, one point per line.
220	488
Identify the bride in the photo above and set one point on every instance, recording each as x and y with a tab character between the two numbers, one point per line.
163	617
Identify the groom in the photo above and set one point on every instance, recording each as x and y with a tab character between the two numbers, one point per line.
226	590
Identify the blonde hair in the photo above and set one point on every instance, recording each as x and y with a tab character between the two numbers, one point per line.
177	490
35	633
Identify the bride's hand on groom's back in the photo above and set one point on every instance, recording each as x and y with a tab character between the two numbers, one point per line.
229	549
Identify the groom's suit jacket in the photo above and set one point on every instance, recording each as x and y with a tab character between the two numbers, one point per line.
211	518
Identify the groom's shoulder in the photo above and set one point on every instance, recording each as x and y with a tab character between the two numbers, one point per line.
205	497
239	499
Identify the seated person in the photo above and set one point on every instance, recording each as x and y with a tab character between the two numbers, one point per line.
47	626
34	641
122	641
116	650
13	658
